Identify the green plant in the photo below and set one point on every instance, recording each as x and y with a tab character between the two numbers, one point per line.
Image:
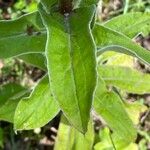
64	39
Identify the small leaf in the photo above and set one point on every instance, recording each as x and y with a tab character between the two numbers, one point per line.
37	109
130	24
21	36
106	142
35	59
10	95
71	63
125	78
108	39
9	91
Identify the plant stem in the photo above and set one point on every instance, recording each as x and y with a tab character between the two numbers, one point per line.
65	6
126	7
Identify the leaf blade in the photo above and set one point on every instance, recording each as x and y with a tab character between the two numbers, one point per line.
37	109
64	55
126	79
108	39
109	105
10	95
21	36
35	59
130	24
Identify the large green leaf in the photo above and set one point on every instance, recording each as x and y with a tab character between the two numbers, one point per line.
126	79
108	39
109	105
70	52
21	36
130	24
69	138
10	94
37	109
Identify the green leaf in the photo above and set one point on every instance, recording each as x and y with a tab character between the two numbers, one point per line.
65	136
10	95
108	39
116	59
21	36
84	3
35	59
71	63
37	109
48	4
132	146
9	90
71	139
126	79
109	105
106	142
84	141
130	24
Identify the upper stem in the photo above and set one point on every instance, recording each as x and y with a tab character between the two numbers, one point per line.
66	6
